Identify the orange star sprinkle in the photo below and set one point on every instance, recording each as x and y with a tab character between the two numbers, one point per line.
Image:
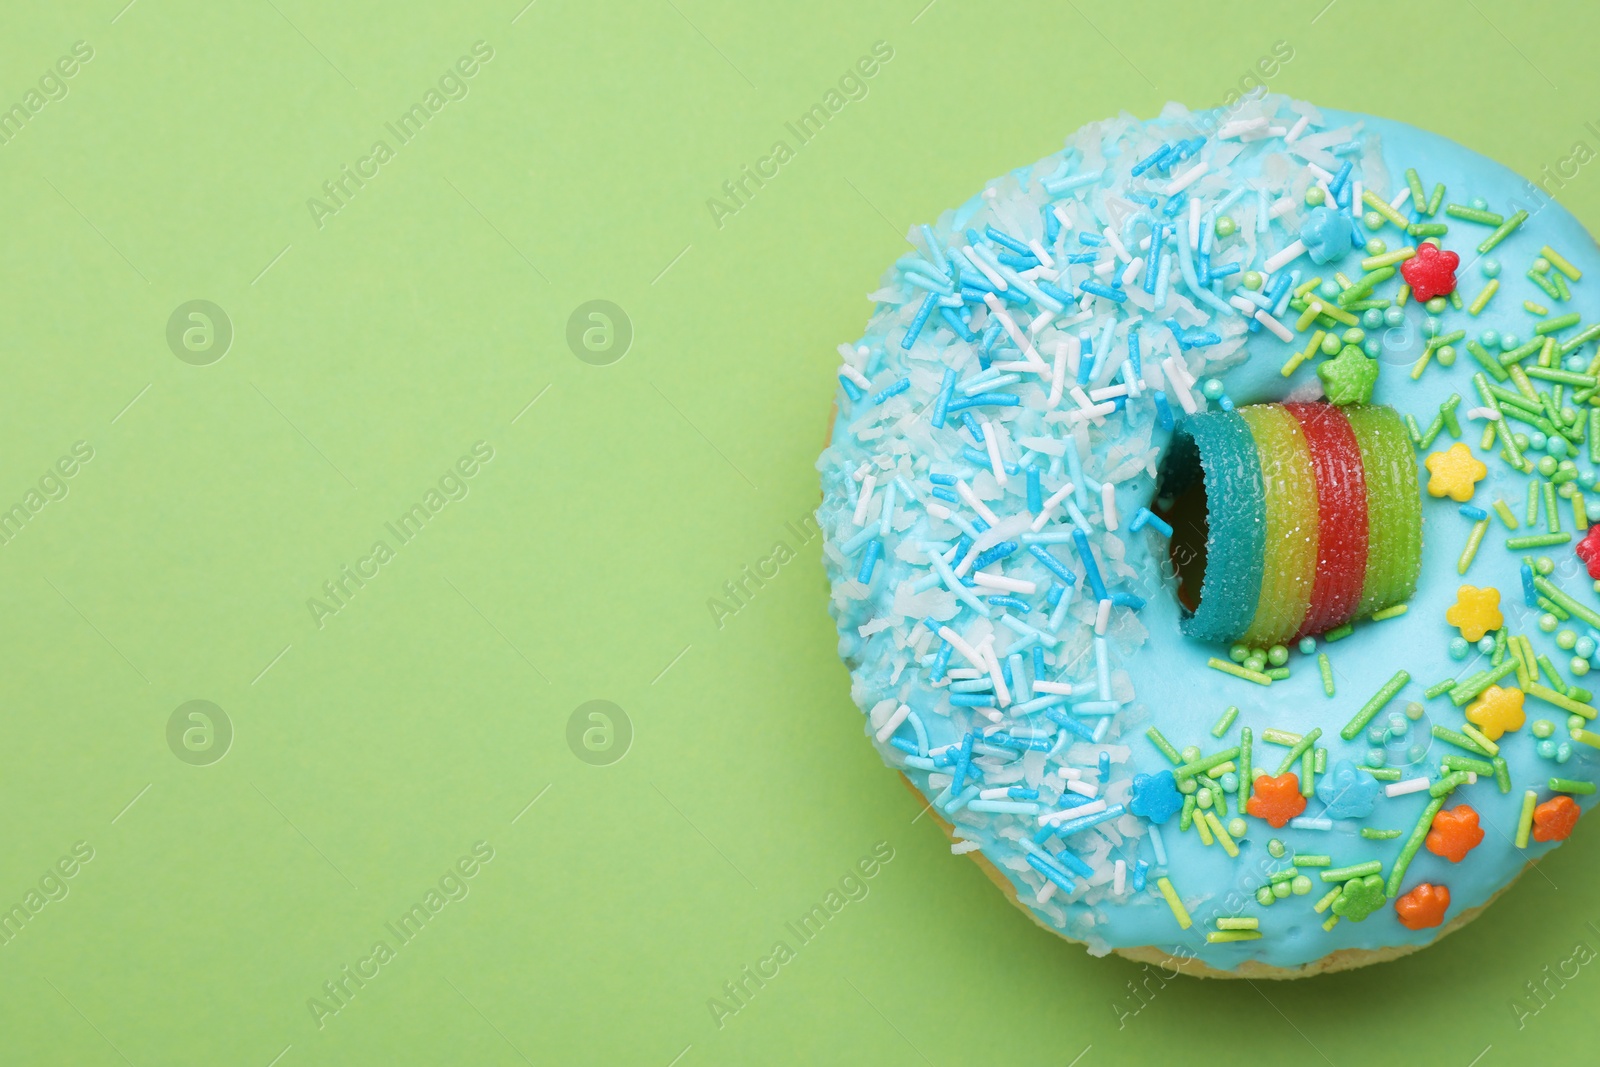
1475	612
1277	800
1554	819
1455	833
1497	711
1454	473
1423	907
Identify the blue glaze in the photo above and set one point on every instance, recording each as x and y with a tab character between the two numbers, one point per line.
1144	671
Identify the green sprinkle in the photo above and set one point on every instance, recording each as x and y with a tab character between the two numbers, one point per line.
1412	429
1218	937
1469	688
1189	770
1243	923
1381	206
1164	745
1448	410
1246	781
1434	429
1312	861
1549	589
1517	544
1187	818
1179	912
1338	633
1504	512
1496	370
1474	539
1388	259
1274	736
1286	875
1521	352
1534	309
1472	214
1308	774
1225	722
1373	834
1439	688
1550	696
1481	741
1585	737
1419	199
1419	834
1427	229
1448	784
1502	775
1322	905
1558	324
1384	774
1435	200
1277	674
1460	740
1359	870
1504	230
1544	282
1482	768
1237	671
1326	667
1565	377
1580	340
1375	705
1532	517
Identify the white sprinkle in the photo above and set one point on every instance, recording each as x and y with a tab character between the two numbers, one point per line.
1188	178
1058	374
1400	789
1000	581
965	492
1093	808
1297	129
1119	877
1039	253
1050	505
887	730
1318	173
1095	414
1110	392
1355	197
967	561
1116	243
968	653
1083	789
964	673
1060	689
1175	378
994	794
854	375
1131	275
961	848
1239	126
1282	332
991	441
1401	197
1072	774
1282	207
1282	258
1108	504
1001	694
865	499
984	269
1102	616
1045	892
938	510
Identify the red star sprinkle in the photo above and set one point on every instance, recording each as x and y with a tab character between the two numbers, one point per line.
1589	551
1430	272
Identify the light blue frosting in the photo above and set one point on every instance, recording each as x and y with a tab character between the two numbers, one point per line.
1162	679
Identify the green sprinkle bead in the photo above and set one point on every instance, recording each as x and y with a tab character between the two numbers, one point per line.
1226	226
1276	849
1314	196
1300	885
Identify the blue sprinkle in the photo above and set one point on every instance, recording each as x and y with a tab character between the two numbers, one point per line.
1146	517
934	250
1006	239
941	406
892	390
1530	595
1105	766
1067	722
1080	541
1035	491
1224	271
1014	603
1055	292
1163	410
941	661
852	390
942	479
974	429
1027	262
1018	792
1056	567
869	562
972	700
1053	597
1074	864
959	328
1340	178
915	328
1152	160
903	745
1052	226
1175	204
1088	286
1154	260
1128	600
947	495
1083	257
1092	239
995	554
1038	662
1473	512
1062	882
999	400
963	761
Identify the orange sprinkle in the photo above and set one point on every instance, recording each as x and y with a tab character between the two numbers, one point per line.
1277	799
1554	819
1424	906
1455	833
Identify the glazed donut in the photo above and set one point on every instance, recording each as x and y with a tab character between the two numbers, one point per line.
1200	514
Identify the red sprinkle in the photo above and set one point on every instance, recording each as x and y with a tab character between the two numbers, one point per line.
1430	272
1589	551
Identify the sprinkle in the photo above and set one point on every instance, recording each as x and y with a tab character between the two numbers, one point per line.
1560	264
1488	746
1189	770
1242	923
1322	905
1471	214
1371	708
1388	259
1246	775
1227	842
1517	544
1374	834
1525	822
1226	721
1505	513
1217	937
1418	835
1481	301
1411	785
1300	748
1165	746
1237	671
1178	910
1344	874
1326	668
1505	229
1549	696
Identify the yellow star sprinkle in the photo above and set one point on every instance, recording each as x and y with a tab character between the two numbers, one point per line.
1454	473
1497	711
1475	612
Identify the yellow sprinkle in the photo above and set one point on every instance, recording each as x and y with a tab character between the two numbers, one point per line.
1333	920
1338	314
1482	299
1381	206
1294	361
1388	259
1580	516
1422	363
1222	835
1402	295
1584	737
1525	823
1557	261
1477	735
1505	515
1390	612
1180	912
1344	283
1205	830
1220	936
1305	287
1535	309
1249	922
1550	696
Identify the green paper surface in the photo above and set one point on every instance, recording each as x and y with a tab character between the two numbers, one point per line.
564	491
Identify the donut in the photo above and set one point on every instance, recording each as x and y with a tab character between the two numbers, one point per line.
1207	521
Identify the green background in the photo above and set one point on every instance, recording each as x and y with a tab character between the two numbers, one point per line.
370	753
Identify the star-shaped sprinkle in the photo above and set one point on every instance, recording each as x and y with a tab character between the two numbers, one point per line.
1455	472
1588	550
1348	378
1475	612
1431	272
1346	792
1155	796
1327	235
1455	833
1276	800
1554	819
1360	898
1497	711
1423	908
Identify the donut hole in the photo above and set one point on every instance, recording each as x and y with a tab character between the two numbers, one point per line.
1181	502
